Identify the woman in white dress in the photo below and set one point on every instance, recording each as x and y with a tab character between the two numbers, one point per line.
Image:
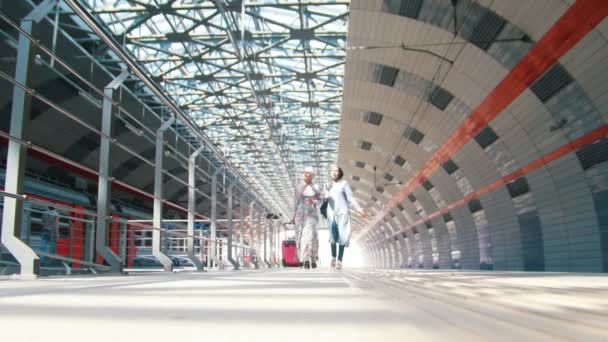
340	199
306	220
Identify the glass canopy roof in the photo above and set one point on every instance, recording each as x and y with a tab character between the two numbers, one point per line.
262	78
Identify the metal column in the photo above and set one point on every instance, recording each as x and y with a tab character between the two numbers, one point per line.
122	243
103	183
271	242
15	168
242	228
213	243
252	221
266	229
192	208
230	230
258	242
158	196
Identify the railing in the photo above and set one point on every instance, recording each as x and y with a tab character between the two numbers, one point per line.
63	237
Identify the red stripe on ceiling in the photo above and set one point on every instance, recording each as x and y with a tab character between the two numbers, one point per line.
550	157
575	24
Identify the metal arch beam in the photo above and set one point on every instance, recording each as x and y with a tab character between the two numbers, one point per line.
557	41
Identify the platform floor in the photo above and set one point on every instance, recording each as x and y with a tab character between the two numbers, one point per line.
313	305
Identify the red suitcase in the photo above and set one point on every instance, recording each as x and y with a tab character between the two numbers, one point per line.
290	258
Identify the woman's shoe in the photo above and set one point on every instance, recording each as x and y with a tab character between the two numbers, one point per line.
339	265
313	264
333	262
306	264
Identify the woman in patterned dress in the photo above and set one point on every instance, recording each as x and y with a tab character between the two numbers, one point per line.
306	220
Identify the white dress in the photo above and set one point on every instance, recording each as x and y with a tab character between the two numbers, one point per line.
306	220
340	199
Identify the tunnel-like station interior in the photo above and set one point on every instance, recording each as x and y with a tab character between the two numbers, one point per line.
423	170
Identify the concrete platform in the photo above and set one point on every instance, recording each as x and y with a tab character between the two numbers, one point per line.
299	305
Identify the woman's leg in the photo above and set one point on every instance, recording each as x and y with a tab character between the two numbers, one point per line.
336	237
333	254
305	243
340	252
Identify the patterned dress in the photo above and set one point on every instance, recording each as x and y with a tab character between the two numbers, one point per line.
307	220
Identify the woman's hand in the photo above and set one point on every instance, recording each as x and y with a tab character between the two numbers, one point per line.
362	213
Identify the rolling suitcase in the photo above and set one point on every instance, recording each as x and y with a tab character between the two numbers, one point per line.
289	250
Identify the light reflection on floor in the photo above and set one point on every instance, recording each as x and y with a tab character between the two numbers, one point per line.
301	305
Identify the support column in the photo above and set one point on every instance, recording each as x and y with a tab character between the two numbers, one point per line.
277	244
122	242
242	228
251	223
271	243
385	255
391	251
251	240
230	230
15	168
267	239
368	253
377	257
192	208
104	184
404	251
213	250
158	196
258	242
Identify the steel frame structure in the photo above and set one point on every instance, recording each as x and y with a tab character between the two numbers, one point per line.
262	79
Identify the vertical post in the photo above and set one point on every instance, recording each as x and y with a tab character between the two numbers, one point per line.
89	236
258	242
251	240
242	227
277	246
15	168
213	238
230	226
103	183
271	243
266	242
263	239
158	196
122	243
26	223
192	208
